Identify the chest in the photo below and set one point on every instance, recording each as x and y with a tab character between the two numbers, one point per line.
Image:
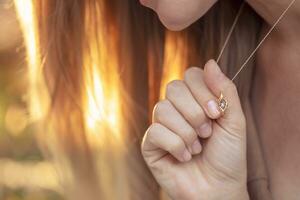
276	106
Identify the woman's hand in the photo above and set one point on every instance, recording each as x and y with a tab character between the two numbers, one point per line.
193	150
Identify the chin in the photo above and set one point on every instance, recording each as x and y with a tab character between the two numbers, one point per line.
176	22
179	14
174	25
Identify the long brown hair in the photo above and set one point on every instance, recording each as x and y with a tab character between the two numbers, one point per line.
103	65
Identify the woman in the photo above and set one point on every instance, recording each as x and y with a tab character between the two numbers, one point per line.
113	56
196	152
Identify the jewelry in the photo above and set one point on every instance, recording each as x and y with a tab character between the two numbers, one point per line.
222	103
260	43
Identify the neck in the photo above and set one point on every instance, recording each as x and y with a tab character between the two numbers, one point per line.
270	10
280	53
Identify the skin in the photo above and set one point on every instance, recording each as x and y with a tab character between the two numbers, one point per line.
277	77
217	168
192	162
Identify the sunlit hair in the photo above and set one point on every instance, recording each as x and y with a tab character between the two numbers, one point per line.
96	69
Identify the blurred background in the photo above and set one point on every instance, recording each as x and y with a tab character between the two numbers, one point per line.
24	173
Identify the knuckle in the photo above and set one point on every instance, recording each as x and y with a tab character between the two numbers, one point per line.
153	128
161	107
176	146
189	135
152	136
174	87
196	117
190	72
151	133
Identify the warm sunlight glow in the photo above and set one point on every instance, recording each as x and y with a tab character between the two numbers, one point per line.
101	89
102	110
37	102
95	100
174	62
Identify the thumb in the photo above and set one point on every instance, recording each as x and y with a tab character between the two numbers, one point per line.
233	118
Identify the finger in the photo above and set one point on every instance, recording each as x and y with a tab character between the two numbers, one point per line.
165	114
182	99
217	82
193	78
160	137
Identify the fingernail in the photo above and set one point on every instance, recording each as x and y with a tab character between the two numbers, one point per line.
213	108
205	130
196	147
187	156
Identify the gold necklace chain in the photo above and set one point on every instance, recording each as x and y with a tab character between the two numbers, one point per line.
260	43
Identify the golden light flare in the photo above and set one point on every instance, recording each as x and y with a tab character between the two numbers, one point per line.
174	60
102	108
95	100
102	96
38	97
102	88
102	99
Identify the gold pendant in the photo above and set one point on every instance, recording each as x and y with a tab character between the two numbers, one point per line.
222	103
